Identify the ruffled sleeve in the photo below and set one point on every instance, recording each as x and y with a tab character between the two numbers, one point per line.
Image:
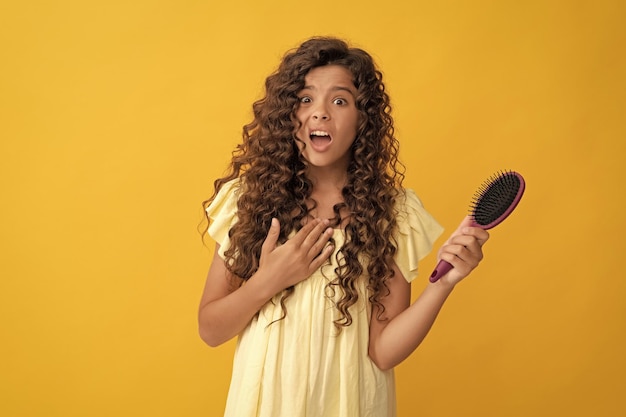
223	214
417	232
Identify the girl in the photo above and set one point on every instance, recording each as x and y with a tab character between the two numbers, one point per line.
316	245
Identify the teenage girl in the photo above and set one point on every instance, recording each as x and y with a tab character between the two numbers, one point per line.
317	243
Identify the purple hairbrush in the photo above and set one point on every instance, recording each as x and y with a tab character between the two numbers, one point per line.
493	202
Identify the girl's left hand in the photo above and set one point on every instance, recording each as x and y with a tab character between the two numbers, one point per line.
463	250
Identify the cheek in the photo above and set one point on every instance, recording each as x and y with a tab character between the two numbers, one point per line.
355	123
301	114
299	137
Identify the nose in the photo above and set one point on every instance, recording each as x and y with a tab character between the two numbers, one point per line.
320	112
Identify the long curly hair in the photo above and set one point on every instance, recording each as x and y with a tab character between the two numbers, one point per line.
273	183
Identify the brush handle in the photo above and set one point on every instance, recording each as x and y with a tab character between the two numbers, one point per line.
442	268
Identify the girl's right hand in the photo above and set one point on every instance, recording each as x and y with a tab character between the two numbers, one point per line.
224	312
295	260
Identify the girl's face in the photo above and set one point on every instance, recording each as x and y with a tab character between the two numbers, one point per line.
328	116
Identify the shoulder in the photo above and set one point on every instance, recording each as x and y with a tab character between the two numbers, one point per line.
225	199
410	210
417	231
222	212
413	216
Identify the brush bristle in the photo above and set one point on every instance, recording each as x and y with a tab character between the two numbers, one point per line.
495	197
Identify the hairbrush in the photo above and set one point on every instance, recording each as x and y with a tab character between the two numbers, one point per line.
494	200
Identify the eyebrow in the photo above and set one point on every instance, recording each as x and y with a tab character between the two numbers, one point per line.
334	88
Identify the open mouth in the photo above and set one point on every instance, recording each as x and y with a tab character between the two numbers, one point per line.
319	138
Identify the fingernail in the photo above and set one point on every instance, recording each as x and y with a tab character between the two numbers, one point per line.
274	222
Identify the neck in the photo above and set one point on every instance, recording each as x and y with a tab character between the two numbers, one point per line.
325	179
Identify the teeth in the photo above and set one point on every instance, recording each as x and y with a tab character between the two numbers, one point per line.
319	133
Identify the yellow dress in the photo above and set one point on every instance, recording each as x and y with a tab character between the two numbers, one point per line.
301	366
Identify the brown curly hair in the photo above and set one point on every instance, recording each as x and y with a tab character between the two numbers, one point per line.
273	181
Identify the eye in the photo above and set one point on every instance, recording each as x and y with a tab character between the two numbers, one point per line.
305	99
340	102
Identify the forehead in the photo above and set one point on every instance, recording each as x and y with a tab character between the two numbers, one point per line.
329	76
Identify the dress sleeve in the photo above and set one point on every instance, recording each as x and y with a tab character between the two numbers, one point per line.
417	231
223	214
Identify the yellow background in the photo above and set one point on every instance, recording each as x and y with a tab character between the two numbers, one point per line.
115	118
